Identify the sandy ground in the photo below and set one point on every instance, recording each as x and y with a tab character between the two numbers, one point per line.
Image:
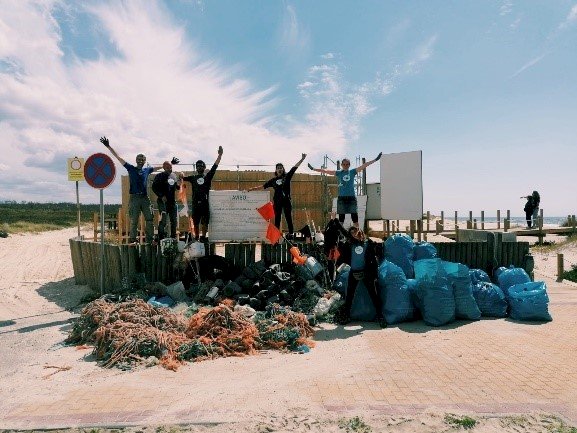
39	298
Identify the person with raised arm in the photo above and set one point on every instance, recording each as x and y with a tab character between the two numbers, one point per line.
282	202
139	200
347	200
201	184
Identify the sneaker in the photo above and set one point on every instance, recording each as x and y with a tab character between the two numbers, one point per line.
382	322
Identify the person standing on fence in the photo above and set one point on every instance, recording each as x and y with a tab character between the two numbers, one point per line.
536	202
139	200
347	200
201	184
360	253
164	186
528	209
282	202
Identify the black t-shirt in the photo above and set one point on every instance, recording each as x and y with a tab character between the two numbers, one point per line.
201	184
281	185
162	188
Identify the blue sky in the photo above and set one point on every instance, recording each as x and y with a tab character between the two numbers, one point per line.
486	89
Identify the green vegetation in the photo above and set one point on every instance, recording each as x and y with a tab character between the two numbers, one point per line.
571	275
35	217
355	424
460	421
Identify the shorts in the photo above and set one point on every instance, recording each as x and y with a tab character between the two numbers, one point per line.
200	213
346	205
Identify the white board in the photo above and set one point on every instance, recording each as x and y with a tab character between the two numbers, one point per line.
234	216
402	186
361	208
373	201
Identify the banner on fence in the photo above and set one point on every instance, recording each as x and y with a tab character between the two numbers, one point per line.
234	216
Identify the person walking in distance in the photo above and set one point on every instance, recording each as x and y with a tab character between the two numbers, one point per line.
164	186
201	183
139	200
347	200
282	202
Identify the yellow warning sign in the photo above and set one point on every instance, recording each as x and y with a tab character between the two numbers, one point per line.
76	169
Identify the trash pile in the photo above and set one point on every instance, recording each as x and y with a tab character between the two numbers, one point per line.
414	283
132	332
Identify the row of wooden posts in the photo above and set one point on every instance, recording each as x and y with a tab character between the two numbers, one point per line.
122	262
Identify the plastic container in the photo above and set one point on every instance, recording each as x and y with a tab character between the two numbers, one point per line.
194	250
313	265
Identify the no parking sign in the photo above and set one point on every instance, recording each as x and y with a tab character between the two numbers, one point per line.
99	171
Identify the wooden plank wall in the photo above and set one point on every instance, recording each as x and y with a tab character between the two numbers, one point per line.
311	192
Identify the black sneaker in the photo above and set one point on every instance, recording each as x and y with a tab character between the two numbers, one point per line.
382	322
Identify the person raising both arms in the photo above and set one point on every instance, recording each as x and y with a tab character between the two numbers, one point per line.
201	184
139	200
346	200
281	183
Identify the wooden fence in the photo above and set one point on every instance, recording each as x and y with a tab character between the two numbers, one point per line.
123	261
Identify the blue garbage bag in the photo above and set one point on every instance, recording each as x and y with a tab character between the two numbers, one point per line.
465	305
399	250
424	250
511	276
341	282
529	301
436	300
161	301
478	275
397	305
490	299
362	308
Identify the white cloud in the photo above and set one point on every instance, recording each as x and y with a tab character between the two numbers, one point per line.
294	37
506	8
157	96
528	65
570	19
328	56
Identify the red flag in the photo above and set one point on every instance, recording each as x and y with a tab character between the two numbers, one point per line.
273	234
266	211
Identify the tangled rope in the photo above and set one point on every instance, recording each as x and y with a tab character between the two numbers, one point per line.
127	333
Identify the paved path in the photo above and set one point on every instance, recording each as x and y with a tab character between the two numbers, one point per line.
489	366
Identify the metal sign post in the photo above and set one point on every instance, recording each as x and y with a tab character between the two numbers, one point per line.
76	173
99	172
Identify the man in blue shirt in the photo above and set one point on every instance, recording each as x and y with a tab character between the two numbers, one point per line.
139	200
347	201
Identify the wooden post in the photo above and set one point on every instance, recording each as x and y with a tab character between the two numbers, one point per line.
428	219
573	224
560	270
507	222
420	230
398	228
482	220
498	218
456	219
142	225
442	220
475	223
437	227
412	228
471	216
540	222
456	233
119	223
95	220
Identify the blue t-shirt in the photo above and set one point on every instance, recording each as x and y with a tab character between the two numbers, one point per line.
138	178
358	251
346	182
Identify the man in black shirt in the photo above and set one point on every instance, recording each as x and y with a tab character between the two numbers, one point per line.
201	183
164	186
281	184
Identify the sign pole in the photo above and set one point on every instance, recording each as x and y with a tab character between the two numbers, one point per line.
101	242
78	208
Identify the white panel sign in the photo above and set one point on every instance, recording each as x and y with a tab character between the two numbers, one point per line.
373	201
234	216
402	186
361	207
